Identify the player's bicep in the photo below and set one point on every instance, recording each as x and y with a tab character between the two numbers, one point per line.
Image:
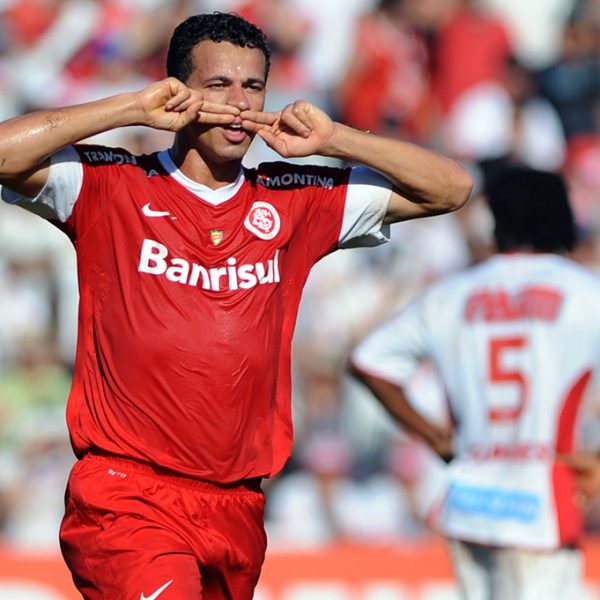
402	208
29	184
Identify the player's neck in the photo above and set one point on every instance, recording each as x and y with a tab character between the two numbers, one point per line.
211	174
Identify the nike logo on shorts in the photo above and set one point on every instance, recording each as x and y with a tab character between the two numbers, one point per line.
157	593
154	213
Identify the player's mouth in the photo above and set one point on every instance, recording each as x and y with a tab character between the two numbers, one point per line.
234	133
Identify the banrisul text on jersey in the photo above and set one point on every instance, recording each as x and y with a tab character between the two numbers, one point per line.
155	259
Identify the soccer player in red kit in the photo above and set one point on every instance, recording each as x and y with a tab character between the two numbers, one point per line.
190	272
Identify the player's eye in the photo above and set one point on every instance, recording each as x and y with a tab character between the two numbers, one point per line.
255	87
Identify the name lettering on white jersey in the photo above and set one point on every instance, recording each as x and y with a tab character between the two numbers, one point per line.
299	179
109	156
522	451
154	259
533	302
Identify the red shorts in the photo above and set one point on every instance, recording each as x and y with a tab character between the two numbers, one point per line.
132	532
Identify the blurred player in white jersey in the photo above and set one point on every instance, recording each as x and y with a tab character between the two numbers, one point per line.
516	342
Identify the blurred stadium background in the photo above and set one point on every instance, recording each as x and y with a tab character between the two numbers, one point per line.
485	81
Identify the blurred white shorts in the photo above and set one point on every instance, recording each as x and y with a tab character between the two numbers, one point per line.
492	573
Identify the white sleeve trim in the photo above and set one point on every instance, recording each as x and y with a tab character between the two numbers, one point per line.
395	349
367	202
58	196
375	357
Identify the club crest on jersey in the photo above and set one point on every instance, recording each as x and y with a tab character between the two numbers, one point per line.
216	236
263	220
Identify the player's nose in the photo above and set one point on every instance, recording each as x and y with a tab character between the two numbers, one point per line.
238	98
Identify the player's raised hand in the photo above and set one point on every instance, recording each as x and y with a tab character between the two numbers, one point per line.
171	105
300	129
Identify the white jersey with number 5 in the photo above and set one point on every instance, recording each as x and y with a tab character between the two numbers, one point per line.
516	341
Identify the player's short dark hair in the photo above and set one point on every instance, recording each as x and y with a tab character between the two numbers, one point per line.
217	27
531	211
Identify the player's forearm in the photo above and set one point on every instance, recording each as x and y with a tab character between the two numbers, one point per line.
435	182
395	402
26	141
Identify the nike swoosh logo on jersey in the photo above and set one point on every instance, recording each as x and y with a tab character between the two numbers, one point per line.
157	593
154	213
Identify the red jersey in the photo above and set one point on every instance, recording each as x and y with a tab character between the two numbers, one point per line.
187	307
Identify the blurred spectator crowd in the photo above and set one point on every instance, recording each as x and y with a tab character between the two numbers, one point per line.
488	82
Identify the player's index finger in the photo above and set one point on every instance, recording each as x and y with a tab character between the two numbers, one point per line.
296	124
213	107
260	117
210	118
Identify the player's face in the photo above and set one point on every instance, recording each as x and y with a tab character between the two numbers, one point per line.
227	74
